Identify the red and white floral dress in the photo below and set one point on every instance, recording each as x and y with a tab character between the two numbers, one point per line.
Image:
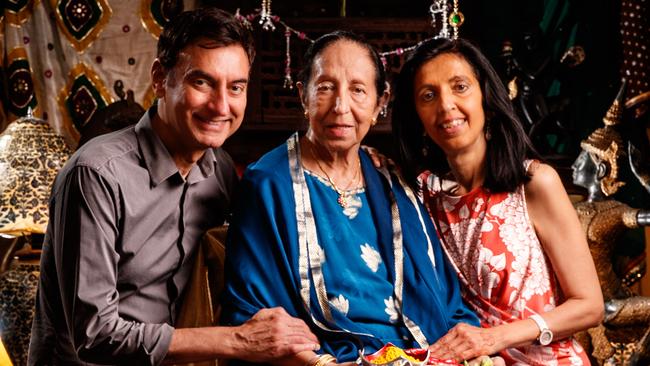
504	272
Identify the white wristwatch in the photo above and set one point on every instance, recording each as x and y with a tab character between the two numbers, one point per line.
545	335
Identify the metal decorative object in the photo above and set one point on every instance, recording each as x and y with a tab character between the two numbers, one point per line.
607	145
31	154
623	337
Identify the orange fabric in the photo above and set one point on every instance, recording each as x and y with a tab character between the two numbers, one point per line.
506	276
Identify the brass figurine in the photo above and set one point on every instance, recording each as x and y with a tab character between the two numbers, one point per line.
623	336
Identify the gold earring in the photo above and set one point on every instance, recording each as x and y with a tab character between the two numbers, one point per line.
306	113
373	121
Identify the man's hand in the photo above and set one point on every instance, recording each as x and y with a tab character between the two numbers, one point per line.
465	342
271	334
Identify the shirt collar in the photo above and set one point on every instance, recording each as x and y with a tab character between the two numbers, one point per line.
159	162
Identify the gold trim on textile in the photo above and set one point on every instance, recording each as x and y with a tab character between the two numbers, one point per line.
308	244
20	53
17	19
148	22
80	69
307	238
82	44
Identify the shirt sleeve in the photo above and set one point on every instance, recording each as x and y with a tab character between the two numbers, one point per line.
88	216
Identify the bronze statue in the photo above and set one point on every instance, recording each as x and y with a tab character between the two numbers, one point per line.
623	336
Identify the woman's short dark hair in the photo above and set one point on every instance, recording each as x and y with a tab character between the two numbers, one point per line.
322	42
509	145
221	28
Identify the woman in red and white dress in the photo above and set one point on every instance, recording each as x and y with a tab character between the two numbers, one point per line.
505	222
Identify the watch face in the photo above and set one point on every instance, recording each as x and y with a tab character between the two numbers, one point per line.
545	337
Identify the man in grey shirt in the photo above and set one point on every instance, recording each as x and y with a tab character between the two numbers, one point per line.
129	207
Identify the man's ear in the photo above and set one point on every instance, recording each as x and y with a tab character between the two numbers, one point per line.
158	78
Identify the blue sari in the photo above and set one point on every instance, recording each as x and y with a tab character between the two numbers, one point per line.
288	239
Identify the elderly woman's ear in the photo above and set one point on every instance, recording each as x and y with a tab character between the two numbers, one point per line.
301	94
383	100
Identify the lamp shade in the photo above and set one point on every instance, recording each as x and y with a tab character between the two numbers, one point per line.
31	154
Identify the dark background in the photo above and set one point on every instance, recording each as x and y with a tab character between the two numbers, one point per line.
540	31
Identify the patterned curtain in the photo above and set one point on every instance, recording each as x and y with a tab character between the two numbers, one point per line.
61	58
635	36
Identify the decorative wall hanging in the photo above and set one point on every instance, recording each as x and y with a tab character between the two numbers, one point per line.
20	85
83	95
18	11
82	20
156	13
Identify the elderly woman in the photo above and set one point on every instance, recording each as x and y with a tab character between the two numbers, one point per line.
505	222
336	242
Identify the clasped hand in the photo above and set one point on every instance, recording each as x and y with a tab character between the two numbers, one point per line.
272	334
467	342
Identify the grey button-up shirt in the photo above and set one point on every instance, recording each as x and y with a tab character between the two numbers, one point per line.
124	228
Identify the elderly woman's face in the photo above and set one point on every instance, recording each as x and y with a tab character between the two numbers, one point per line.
449	102
341	97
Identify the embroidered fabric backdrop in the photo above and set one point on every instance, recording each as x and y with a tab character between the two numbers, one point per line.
62	57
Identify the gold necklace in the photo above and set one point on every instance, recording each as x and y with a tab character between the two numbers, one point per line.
343	194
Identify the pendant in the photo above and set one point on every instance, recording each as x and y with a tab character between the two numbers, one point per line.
343	200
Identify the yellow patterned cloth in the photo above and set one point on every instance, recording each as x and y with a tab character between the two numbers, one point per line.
4	357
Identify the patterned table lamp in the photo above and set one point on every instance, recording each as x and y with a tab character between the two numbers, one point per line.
31	154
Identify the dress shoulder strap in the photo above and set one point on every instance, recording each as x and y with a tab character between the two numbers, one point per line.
530	165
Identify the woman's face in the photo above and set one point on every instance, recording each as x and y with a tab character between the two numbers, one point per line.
341	96
449	102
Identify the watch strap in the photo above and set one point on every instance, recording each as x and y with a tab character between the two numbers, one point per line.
541	323
545	334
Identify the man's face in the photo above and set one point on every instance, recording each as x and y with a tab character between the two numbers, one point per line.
203	97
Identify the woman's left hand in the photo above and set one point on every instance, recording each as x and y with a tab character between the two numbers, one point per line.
466	342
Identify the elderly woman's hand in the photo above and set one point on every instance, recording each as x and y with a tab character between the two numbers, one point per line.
466	342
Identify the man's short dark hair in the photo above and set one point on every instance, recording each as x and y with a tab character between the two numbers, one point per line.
220	28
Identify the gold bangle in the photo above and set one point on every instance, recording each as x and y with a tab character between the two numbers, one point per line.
312	361
325	359
321	360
